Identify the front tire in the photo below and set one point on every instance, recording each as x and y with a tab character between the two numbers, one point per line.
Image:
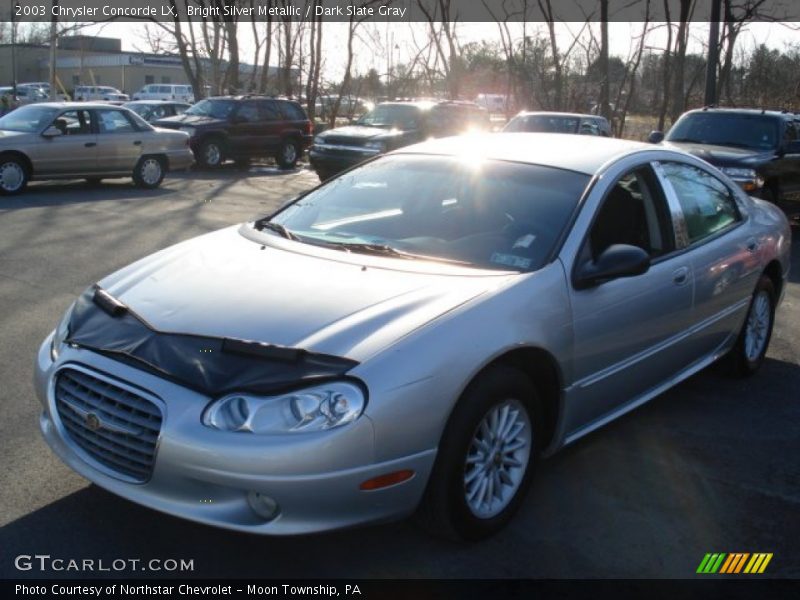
13	176
748	354
485	459
149	172
211	155
287	155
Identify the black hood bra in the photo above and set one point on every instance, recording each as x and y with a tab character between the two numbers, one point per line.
213	366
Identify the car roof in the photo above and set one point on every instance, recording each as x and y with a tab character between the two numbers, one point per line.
527	113
559	150
77	105
744	111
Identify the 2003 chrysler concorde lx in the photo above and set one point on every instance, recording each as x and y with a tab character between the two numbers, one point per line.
411	335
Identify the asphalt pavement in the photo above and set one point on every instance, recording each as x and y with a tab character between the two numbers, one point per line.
710	466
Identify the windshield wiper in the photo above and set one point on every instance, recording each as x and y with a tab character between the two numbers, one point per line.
277	228
386	250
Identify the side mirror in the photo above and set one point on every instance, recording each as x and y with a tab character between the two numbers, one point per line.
655	137
52	132
618	260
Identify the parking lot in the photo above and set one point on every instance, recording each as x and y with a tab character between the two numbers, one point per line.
710	466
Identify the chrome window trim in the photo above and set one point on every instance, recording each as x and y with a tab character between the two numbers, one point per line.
680	231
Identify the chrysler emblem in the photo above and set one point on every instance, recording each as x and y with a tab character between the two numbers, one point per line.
93	421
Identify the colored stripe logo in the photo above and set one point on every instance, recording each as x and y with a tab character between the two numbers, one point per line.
734	563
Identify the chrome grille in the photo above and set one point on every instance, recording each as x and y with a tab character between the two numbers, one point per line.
336	140
117	428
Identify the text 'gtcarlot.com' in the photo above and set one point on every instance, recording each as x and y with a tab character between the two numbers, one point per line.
45	562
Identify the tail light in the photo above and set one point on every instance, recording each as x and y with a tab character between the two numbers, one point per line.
309	128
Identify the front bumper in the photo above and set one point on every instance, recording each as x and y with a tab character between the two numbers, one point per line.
206	475
327	159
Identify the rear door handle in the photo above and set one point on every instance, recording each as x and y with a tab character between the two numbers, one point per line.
90	144
137	143
680	276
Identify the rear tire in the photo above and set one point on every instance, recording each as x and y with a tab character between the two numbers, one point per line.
149	172
485	459
287	155
13	175
748	354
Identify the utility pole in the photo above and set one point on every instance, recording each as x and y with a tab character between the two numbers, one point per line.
713	54
53	52
14	52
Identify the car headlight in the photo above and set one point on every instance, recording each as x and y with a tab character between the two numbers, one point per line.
189	130
317	408
380	146
61	334
749	178
319	140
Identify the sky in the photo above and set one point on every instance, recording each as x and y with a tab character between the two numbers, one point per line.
375	40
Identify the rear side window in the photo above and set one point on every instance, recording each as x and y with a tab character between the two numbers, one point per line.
114	121
292	111
708	205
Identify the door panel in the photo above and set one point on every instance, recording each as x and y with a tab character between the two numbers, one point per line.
725	259
72	153
630	334
119	144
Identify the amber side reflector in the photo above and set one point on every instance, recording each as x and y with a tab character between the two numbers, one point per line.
382	481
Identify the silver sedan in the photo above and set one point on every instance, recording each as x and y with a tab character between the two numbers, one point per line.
68	140
412	335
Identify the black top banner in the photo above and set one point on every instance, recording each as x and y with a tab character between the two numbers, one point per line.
398	11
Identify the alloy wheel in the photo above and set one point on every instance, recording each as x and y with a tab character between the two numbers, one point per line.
497	458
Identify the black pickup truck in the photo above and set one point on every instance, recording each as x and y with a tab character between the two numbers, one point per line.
758	149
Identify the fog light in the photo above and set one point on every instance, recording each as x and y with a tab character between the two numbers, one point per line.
264	506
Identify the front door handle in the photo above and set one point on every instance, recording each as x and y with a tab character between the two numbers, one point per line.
680	276
137	143
90	144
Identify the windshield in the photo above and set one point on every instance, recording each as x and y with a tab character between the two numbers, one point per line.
721	129
402	116
487	214
543	124
216	109
28	119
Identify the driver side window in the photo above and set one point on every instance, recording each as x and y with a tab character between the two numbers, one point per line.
74	122
634	212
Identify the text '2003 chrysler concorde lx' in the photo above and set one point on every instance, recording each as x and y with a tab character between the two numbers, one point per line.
411	335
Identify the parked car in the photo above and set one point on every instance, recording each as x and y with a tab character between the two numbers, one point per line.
416	332
84	93
759	149
70	140
558	122
153	110
389	126
24	95
349	106
244	127
494	103
165	91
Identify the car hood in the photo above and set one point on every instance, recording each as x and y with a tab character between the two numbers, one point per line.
188	121
722	155
235	283
7	136
359	132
